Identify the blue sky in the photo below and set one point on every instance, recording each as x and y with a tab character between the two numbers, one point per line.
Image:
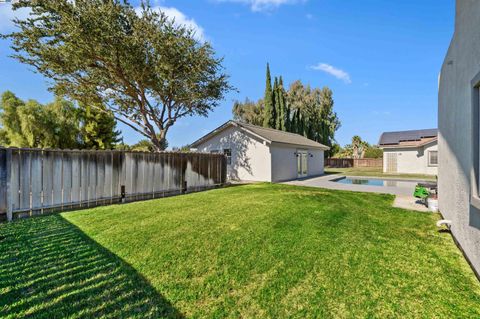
380	58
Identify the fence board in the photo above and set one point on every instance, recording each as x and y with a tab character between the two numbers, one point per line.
25	174
67	179
3	181
57	196
36	182
350	162
76	177
116	175
84	180
47	181
15	180
107	185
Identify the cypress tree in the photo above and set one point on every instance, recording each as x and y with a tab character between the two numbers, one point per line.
288	123
295	121
300	123
276	105
98	131
281	106
268	101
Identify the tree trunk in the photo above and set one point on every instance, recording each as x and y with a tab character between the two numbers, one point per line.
159	141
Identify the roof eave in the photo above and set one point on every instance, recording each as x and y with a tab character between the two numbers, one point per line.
408	146
320	147
211	134
223	127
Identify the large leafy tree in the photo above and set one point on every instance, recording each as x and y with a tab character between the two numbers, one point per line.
10	119
140	64
248	112
329	121
59	124
355	150
98	127
302	110
31	124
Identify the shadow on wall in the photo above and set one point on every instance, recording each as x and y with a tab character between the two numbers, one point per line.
50	269
462	156
240	161
420	152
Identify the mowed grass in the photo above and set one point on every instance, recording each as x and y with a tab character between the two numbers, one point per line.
253	251
375	172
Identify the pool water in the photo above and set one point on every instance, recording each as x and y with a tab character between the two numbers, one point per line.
375	182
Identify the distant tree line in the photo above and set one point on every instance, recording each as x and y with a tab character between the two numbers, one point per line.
358	149
300	109
59	124
62	124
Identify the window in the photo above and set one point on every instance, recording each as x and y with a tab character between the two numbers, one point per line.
433	158
228	153
476	140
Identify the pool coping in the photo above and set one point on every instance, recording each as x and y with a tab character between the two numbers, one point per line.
394	179
328	181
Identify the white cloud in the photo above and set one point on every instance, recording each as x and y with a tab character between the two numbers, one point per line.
338	73
264	5
181	19
7	15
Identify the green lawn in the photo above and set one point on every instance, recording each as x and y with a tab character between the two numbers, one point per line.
252	251
374	172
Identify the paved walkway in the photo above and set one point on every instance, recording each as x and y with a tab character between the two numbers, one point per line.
403	189
410	203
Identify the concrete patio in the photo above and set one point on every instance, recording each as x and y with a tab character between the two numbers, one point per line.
403	191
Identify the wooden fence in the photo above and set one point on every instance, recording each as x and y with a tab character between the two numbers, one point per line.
35	181
350	162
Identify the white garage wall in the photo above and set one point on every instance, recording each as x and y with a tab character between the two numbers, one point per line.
316	164
251	159
284	162
412	160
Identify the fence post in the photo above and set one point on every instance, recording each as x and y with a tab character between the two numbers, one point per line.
9	185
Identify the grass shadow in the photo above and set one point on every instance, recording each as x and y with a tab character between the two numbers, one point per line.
50	269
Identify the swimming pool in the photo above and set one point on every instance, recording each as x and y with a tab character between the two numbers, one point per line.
375	182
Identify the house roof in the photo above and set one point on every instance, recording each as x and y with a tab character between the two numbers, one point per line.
414	138
268	134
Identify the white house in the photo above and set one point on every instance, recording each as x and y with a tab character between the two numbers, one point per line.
410	152
256	153
459	134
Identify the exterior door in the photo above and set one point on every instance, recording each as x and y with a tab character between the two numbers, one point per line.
391	162
302	163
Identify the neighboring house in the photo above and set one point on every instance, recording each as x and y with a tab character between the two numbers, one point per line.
256	153
410	152
458	143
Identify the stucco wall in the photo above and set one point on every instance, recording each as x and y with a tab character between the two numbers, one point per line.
284	162
456	130
412	160
316	163
251	159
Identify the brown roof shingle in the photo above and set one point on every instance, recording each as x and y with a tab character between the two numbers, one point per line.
269	134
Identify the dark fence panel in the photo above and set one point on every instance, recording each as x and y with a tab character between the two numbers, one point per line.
35	181
339	162
3	181
350	162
